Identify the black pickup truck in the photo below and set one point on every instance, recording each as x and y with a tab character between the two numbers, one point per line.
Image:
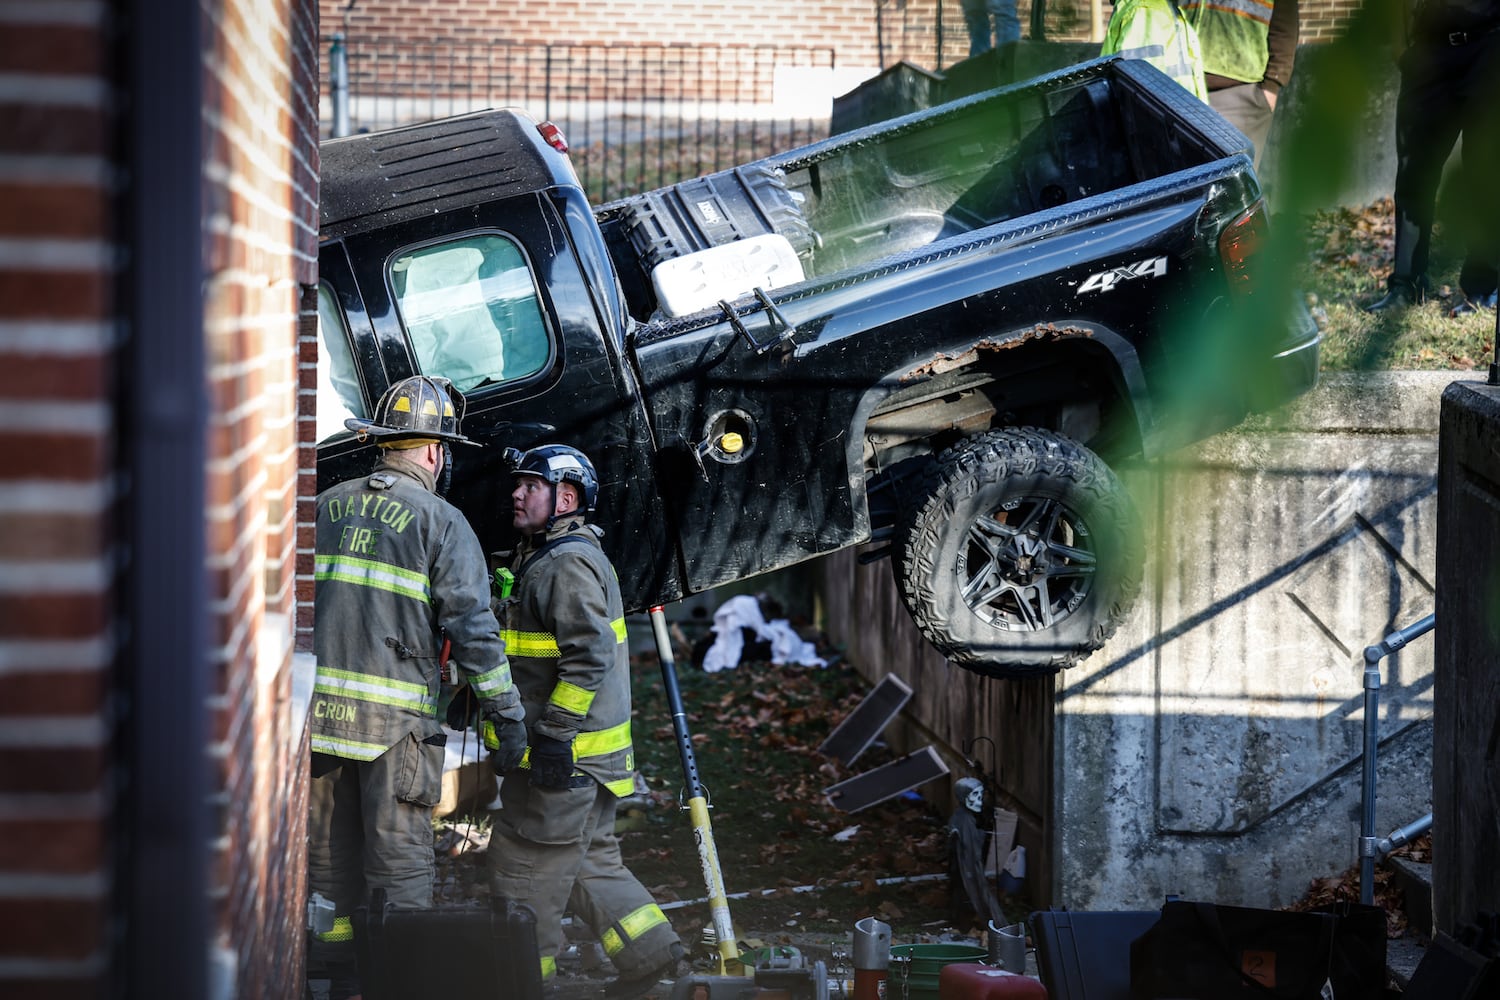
932	334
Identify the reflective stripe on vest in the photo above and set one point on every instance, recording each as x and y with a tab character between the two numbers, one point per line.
342	930
632	928
537	645
543	645
376	690
348	749
493	682
376	574
621	788
1144	52
605	741
1255	10
572	698
586	745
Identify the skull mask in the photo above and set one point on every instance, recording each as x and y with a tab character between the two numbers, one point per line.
972	793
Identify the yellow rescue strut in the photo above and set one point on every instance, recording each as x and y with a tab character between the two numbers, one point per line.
703	831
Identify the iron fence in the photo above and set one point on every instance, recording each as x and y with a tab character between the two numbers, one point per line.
934	34
636	116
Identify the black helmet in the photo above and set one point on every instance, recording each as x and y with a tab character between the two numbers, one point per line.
557	463
420	408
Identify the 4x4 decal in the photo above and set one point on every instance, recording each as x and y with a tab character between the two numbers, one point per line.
1103	281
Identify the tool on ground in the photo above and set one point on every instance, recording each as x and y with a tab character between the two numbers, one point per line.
872	958
697	802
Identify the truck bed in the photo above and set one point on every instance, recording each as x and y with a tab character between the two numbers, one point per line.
887	189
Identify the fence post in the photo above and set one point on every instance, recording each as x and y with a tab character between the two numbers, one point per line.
338	79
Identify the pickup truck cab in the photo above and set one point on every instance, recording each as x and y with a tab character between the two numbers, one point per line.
934	334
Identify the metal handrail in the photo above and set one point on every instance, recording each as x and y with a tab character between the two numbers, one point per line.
1369	847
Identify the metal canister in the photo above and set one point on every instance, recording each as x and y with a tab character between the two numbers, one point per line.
1007	947
872	958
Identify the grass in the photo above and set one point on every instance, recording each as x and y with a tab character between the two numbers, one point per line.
1349	254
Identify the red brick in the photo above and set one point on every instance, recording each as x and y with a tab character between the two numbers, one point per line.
70	377
52	616
72	211
51	928
53	294
37	129
51	536
74	988
49	693
74	847
70	50
52	769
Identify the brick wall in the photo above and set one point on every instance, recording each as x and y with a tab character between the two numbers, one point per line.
260	231
63	343
57	497
849	26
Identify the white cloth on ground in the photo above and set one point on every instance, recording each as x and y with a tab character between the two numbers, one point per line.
743	611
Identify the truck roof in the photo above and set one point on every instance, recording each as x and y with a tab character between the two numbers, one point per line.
435	166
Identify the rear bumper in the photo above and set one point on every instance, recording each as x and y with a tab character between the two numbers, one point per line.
1291	371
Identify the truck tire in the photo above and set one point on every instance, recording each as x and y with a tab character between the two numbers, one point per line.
1023	555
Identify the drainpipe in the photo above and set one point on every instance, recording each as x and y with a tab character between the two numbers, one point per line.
165	923
338	83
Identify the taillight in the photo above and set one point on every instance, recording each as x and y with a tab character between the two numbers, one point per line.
1239	245
553	136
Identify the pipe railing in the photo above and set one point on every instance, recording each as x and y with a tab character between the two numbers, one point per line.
1369	847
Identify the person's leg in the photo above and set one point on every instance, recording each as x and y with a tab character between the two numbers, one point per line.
536	849
636	934
1006	23
1479	223
977	20
335	868
400	789
1246	108
1427	126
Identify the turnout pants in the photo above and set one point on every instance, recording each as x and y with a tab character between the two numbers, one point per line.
370	824
556	850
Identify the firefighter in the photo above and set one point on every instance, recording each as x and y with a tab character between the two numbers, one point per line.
398	572
553	845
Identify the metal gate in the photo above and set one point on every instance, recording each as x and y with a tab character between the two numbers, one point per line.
636	116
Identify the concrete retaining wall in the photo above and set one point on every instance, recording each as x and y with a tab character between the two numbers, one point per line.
1211	749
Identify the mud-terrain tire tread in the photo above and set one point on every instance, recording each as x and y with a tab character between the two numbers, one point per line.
1024	456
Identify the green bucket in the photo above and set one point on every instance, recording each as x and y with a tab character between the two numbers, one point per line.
915	968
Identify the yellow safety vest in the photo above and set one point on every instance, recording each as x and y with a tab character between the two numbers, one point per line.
1156	31
1233	35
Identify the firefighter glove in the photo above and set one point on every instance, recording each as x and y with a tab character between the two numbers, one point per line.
463	709
551	761
506	741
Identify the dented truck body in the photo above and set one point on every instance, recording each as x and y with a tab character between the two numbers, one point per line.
934	334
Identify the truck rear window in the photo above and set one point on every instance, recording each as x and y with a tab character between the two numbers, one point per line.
470	310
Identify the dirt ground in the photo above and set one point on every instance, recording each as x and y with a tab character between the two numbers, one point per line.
799	872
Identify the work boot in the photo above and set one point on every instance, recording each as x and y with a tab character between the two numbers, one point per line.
1469	305
1398	292
630	987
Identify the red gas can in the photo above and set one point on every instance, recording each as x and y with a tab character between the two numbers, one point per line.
973	981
